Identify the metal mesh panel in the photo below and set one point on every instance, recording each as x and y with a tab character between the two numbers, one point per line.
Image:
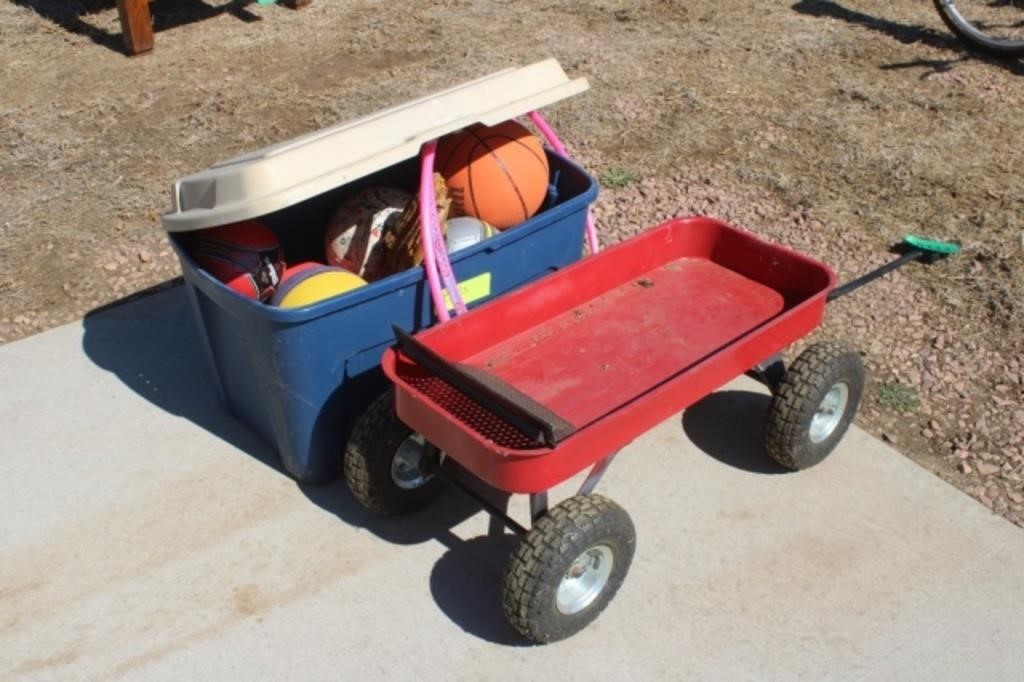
471	413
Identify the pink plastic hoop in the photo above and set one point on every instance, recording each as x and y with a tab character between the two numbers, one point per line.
552	138
435	255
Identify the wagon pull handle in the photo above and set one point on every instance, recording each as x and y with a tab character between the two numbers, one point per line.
517	409
910	249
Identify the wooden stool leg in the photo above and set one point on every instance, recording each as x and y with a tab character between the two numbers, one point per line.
136	25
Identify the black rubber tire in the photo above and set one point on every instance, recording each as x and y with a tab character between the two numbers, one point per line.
805	384
962	27
375	439
546	553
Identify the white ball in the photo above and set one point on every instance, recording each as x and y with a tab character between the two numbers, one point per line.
464	231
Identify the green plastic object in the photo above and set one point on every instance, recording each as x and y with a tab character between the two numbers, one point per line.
933	245
266	2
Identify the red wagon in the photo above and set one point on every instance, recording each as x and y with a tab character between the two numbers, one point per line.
533	388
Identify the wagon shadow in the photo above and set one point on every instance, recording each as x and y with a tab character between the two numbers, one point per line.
150	341
727	425
907	34
166	14
466	586
465	583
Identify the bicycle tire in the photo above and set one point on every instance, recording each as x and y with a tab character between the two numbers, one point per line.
973	22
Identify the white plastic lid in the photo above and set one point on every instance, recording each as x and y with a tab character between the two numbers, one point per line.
284	174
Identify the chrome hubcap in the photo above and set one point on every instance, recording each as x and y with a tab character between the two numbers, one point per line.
585	579
405	466
829	413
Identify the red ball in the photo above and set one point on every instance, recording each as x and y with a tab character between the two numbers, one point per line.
498	174
246	256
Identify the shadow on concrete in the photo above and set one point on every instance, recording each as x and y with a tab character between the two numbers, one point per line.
434	522
466	581
908	34
727	425
73	15
466	585
150	341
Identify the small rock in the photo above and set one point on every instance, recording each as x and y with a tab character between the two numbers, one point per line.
986	469
964	467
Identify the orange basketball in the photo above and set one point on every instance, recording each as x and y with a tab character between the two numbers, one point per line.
498	174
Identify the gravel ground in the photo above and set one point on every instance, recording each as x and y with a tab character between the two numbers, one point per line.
949	396
832	127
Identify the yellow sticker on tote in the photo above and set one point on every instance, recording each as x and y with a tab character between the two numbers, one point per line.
473	289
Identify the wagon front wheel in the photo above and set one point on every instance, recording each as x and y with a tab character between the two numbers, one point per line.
814	405
568	567
384	465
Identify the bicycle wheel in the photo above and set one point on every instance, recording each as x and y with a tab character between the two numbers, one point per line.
992	26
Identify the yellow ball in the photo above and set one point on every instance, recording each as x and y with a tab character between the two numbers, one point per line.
312	285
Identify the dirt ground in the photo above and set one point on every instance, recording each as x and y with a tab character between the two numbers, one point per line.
833	127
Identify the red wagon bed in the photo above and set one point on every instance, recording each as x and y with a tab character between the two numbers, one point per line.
607	348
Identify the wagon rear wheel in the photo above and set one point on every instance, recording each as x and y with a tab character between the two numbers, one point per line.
384	462
568	567
814	405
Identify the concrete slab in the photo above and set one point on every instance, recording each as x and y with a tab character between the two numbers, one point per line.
148	535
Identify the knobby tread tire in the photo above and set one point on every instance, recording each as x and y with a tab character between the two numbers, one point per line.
371	447
544	555
803	387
